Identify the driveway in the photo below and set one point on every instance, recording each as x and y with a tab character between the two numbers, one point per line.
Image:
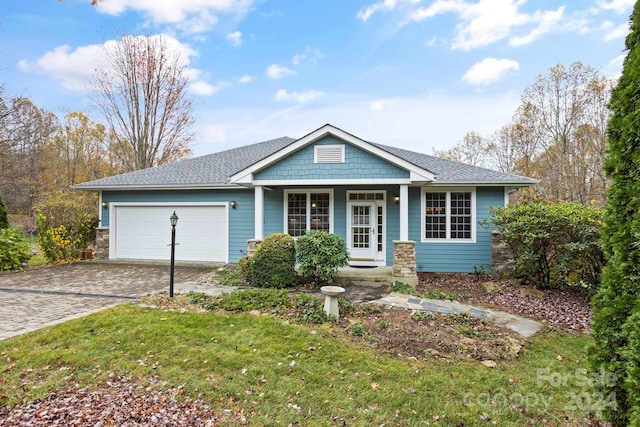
37	298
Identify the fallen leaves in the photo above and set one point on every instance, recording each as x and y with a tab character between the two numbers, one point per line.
118	402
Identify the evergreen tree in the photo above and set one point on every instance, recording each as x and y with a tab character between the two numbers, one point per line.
616	306
4	217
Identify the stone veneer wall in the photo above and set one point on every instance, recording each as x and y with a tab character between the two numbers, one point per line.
252	245
404	261
500	255
102	243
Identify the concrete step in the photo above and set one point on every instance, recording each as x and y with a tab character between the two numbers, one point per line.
372	277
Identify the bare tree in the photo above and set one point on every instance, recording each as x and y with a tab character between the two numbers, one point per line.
472	150
144	99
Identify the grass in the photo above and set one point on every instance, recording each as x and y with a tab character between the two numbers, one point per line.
280	373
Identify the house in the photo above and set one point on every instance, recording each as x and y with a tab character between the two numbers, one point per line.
393	207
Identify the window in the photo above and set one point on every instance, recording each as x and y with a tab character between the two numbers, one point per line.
308	210
449	215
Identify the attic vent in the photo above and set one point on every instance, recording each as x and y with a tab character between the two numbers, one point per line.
329	154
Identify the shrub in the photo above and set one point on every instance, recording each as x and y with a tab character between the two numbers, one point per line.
244	268
4	216
66	224
273	264
14	252
553	245
320	255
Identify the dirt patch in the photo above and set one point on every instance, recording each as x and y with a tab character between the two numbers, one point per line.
566	309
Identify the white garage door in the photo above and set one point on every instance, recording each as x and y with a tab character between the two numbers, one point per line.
144	232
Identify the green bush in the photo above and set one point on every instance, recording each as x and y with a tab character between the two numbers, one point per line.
553	245
4	216
14	252
66	225
273	264
320	255
244	268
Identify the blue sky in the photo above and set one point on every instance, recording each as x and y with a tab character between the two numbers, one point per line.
416	74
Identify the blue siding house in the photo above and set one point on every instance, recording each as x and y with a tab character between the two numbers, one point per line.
394	207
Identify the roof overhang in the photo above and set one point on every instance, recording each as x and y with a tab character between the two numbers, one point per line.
246	176
157	187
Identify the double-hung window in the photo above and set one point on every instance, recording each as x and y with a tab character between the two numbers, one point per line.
308	210
449	216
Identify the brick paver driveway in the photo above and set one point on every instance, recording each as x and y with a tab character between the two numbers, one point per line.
41	297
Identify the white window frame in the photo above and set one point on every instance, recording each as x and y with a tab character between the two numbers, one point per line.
448	191
308	192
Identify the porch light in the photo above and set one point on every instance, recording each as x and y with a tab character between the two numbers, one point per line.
105	205
233	204
396	199
174	221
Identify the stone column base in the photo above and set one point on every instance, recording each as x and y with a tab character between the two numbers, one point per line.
102	243
252	245
404	262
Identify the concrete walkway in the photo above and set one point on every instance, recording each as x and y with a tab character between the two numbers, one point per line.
358	294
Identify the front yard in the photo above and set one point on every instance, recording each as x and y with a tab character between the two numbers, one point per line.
190	362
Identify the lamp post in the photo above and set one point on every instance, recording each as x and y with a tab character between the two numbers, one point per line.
174	220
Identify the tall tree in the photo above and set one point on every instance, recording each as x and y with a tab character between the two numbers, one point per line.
81	151
471	150
616	306
28	133
143	96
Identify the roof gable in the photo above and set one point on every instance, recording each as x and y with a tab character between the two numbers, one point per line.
416	173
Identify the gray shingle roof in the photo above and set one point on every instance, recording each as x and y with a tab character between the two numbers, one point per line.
214	170
209	170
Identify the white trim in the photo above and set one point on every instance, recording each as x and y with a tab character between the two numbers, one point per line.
157	187
404	212
308	191
448	191
364	181
380	256
172	205
334	153
246	176
259	213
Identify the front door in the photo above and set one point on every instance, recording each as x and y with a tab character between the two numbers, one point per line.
363	242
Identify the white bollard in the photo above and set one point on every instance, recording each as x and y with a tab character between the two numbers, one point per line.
331	300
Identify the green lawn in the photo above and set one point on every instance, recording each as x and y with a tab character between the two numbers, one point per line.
279	373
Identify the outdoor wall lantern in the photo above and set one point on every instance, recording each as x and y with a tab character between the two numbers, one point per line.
105	205
174	221
396	199
233	204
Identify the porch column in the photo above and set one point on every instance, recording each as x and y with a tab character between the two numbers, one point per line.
404	213
259	213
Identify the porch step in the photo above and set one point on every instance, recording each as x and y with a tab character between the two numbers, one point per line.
375	277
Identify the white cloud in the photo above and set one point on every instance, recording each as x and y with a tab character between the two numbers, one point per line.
380	105
193	16
299	97
235	38
246	79
276	72
489	70
547	21
487	21
613	32
312	55
75	69
203	88
619	6
385	5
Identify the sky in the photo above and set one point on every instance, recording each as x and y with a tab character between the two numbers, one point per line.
414	74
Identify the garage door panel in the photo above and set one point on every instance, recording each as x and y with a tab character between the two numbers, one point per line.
144	232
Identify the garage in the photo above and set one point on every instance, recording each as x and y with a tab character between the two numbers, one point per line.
144	232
